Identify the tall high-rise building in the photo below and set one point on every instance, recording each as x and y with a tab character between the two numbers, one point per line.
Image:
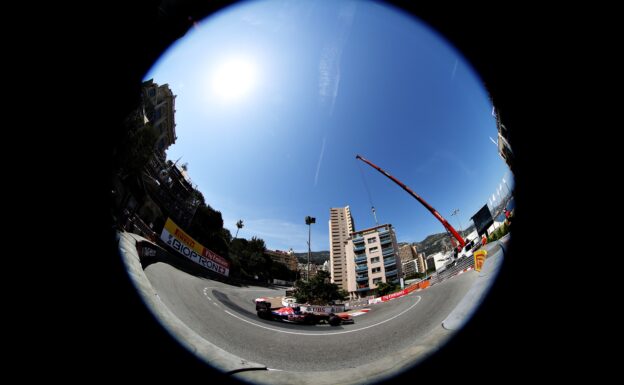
372	257
340	229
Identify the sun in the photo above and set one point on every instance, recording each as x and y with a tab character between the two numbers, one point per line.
234	78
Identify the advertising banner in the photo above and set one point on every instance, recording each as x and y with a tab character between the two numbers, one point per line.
394	295
338	308
180	241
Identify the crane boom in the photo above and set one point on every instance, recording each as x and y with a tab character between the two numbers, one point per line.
433	211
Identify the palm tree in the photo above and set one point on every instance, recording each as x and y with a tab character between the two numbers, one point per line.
239	226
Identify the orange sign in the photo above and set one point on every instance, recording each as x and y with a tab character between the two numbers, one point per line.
479	257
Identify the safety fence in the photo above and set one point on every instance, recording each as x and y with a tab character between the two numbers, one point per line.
135	225
458	266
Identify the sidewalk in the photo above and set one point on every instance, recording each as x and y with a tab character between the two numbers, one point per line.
466	307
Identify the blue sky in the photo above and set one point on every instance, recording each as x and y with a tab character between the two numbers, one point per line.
275	99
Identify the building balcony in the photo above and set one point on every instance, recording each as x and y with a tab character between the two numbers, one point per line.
361	258
389	261
384	241
358	239
359	248
363	278
364	288
387	252
383	232
391	273
361	268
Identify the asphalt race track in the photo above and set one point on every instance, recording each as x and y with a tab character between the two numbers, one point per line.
225	315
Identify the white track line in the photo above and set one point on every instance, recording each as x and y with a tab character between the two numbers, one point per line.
224	287
326	334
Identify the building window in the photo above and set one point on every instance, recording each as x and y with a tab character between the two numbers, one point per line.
376	270
375	259
372	240
373	249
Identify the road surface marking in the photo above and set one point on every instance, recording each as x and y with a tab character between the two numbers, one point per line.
225	287
326	334
357	313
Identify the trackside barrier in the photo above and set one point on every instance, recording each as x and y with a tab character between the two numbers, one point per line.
394	295
412	288
461	265
418	286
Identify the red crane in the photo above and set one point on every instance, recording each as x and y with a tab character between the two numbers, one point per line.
433	211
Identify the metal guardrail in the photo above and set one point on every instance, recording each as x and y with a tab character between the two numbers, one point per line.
137	226
460	265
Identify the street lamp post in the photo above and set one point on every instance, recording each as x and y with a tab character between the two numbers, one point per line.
309	220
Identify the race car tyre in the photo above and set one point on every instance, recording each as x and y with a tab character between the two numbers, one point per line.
334	320
264	314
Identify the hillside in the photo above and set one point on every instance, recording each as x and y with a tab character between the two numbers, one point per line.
437	242
316	257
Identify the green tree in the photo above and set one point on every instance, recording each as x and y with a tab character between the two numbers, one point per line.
239	226
251	257
207	228
500	232
384	288
318	290
281	271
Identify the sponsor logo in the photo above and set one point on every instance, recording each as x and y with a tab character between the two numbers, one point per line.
185	245
181	235
394	295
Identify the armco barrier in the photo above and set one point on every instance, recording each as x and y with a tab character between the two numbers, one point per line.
463	265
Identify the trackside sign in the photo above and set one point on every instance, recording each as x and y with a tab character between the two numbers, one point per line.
180	241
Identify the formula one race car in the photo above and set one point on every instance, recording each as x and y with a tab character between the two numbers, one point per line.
303	314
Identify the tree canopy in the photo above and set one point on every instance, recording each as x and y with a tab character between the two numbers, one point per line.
318	290
384	288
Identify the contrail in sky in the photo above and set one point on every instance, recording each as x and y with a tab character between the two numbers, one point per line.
318	166
329	65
